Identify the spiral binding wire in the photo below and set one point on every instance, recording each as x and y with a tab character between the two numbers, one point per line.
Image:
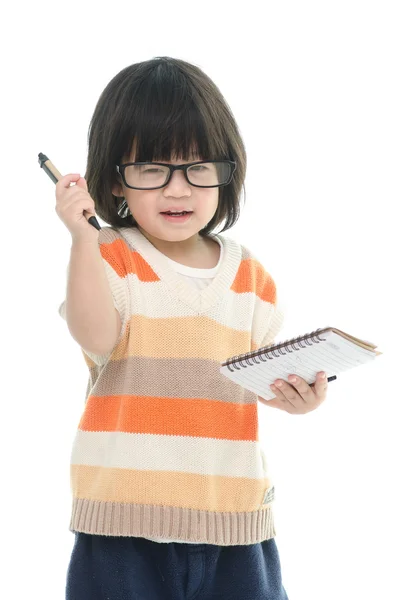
288	345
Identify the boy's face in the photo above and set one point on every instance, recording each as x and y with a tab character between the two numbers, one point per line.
146	205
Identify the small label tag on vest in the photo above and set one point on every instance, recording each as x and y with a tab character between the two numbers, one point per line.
269	496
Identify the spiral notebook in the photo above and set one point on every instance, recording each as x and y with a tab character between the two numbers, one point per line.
329	349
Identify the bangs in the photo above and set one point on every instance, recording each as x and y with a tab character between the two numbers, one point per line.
171	122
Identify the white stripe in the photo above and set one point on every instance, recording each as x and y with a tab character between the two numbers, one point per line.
185	454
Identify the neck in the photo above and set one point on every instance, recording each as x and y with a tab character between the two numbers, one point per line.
178	248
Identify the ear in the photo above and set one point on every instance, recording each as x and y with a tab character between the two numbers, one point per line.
117	190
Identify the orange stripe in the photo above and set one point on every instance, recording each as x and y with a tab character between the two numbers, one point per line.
125	261
195	417
252	277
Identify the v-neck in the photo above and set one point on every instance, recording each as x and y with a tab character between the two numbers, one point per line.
198	300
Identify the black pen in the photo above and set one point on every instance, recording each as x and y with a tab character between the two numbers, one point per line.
55	176
328	379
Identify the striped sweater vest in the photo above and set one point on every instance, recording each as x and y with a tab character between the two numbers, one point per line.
167	446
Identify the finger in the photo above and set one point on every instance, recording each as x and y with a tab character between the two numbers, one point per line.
281	393
82	183
289	393
276	390
65	181
321	385
306	391
312	394
288	405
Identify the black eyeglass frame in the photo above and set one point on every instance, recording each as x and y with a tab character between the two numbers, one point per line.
121	168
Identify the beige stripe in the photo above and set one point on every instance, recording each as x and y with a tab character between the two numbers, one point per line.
167	488
190	337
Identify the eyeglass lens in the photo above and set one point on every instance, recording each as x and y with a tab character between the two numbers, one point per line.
152	175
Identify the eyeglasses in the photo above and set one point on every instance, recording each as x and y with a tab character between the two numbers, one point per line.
154	175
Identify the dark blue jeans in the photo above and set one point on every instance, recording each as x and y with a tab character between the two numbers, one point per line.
130	568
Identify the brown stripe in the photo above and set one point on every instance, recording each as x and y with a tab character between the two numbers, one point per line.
170	378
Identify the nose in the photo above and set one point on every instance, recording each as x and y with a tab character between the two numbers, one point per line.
177	184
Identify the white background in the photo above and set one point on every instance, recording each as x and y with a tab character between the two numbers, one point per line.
313	88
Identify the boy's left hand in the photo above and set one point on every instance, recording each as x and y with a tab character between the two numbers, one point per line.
298	398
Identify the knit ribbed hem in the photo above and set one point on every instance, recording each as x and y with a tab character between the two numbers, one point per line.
201	527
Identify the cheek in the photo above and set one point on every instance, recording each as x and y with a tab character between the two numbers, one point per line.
142	203
209	200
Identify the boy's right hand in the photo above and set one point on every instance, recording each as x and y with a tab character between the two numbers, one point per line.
71	203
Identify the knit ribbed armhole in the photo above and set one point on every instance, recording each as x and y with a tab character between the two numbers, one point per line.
275	326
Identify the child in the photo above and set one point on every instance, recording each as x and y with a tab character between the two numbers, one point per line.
171	493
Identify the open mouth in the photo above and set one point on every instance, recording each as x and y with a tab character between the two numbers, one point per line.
175	217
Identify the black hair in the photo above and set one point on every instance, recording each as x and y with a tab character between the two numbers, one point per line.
163	107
